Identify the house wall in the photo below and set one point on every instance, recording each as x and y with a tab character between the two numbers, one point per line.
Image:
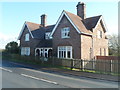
94	42
31	43
73	41
80	43
86	44
100	42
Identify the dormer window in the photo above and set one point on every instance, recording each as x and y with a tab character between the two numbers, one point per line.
99	34
47	35
27	37
65	32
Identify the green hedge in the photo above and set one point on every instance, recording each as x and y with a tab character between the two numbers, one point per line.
28	59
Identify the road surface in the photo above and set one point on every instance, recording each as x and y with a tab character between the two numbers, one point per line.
15	75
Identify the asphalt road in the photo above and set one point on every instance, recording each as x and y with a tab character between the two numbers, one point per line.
15	75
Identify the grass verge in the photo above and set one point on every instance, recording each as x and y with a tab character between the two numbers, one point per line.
38	61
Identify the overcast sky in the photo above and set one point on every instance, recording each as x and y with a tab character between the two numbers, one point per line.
14	14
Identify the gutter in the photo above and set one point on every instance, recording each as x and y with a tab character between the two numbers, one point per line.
86	34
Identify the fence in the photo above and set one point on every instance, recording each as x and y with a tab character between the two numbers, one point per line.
103	66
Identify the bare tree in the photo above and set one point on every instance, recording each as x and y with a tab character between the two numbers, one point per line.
114	46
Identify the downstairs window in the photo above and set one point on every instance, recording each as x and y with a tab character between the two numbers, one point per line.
25	51
65	52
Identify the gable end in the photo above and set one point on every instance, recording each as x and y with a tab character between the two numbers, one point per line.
60	18
102	22
23	28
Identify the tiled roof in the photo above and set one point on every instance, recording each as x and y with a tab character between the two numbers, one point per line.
84	25
45	43
37	30
39	33
91	22
32	26
78	22
49	28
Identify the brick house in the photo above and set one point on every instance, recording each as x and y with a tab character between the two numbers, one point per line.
73	36
34	38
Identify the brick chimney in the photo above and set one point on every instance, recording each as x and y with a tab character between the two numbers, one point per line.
43	20
81	10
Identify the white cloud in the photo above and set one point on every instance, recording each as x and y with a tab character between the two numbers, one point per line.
4	39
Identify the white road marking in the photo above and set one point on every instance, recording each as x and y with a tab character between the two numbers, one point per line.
39	79
92	82
81	80
5	69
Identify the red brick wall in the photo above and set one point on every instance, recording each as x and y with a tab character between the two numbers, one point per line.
31	43
73	41
100	42
107	57
86	44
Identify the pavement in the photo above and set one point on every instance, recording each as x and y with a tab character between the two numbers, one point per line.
20	75
85	74
75	73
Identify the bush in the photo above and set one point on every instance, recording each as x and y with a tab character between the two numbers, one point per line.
12	47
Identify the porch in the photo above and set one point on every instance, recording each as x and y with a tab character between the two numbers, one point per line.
43	52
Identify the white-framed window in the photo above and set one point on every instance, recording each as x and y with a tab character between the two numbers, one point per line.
47	35
65	32
99	34
27	37
65	52
25	51
22	51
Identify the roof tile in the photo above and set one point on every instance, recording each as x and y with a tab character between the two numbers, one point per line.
91	22
37	30
78	22
32	26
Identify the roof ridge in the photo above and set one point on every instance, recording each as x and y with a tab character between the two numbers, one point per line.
49	25
32	22
80	17
93	16
77	22
94	20
71	13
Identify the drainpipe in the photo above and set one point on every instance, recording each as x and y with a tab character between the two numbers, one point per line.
92	47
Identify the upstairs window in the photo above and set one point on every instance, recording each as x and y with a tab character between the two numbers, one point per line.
27	37
99	34
65	32
47	35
